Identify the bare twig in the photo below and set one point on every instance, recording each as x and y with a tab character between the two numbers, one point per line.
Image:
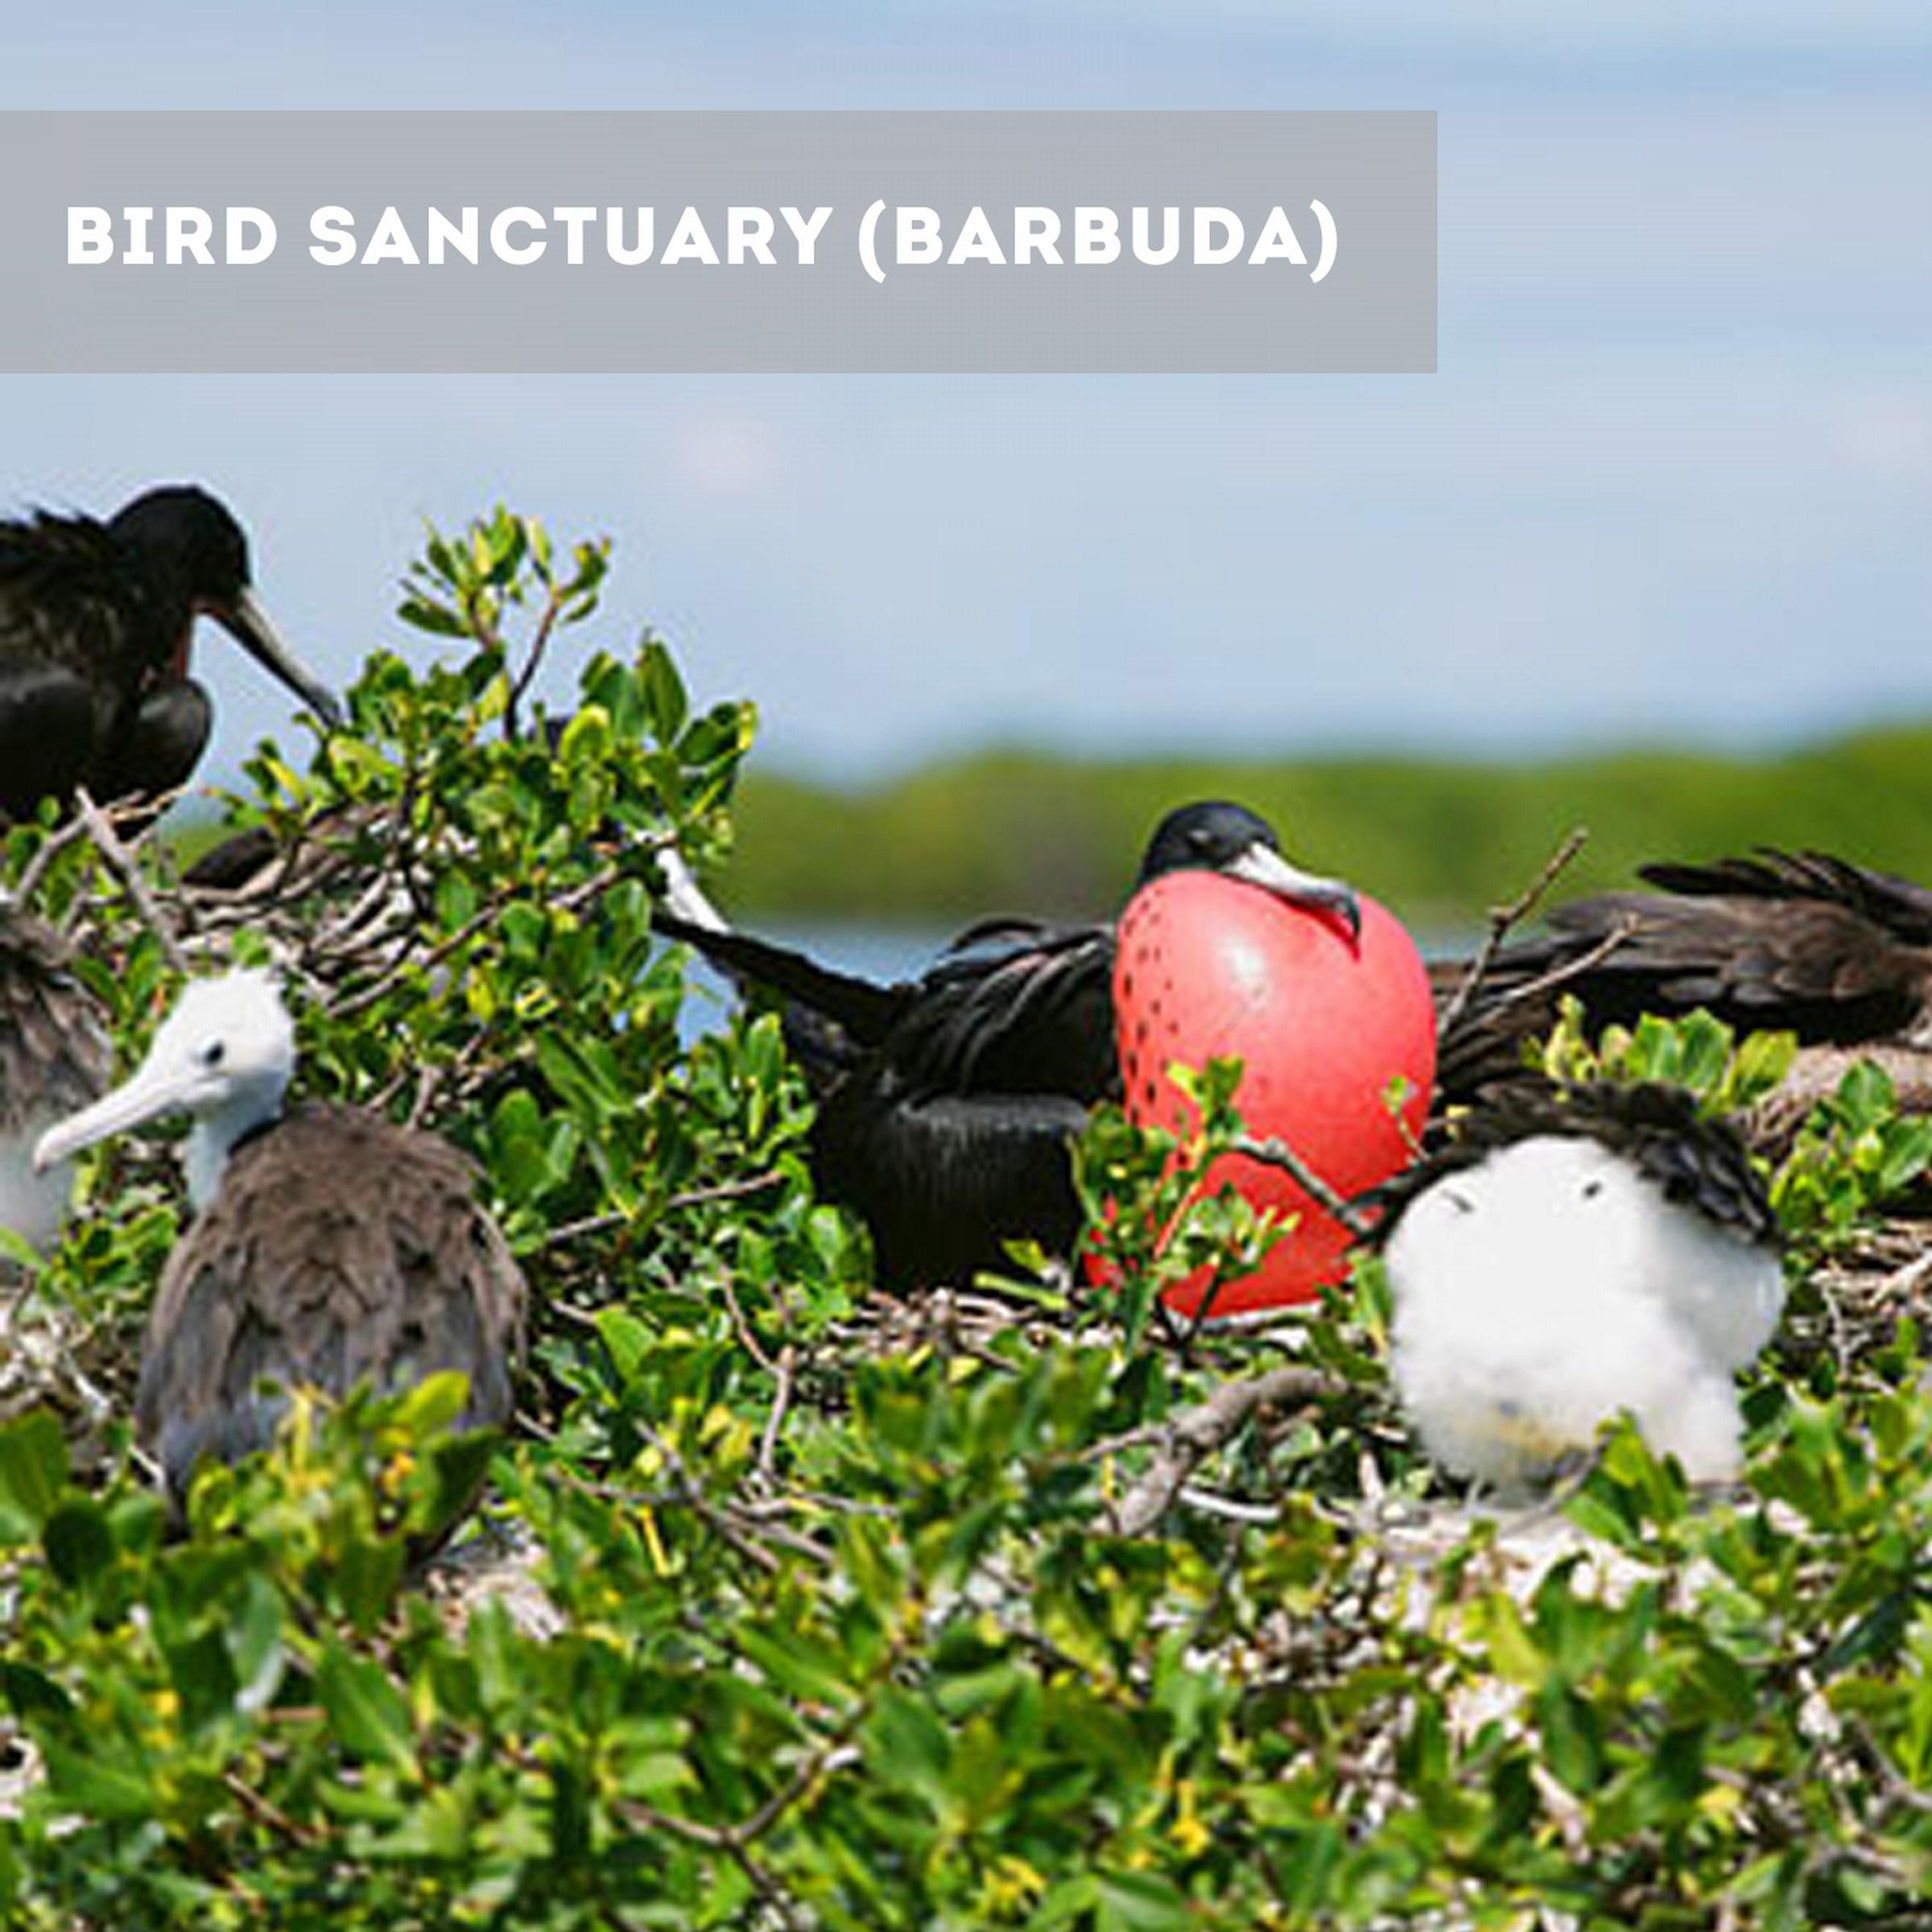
120	862
56	842
1274	1152
1570	969
768	1441
1195	1433
1501	919
546	622
278	1820
692	1197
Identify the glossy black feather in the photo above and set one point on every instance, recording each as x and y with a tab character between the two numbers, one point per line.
95	620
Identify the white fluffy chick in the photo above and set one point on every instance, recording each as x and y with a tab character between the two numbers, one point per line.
1582	1251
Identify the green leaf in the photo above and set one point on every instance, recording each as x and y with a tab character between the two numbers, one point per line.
33	1465
78	1541
97	1788
366	1713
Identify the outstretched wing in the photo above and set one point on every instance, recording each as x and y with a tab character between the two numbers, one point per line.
1011	1006
860	1010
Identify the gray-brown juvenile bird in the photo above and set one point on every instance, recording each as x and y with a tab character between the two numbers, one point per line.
329	1247
54	1056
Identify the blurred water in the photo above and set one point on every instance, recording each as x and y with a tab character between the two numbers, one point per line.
870	951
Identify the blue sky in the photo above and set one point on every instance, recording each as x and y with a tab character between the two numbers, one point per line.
1674	478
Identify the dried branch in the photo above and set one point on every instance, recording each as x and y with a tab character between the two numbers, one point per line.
1274	1152
120	862
1191	1437
1502	918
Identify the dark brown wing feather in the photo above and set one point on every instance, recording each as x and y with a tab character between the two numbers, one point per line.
55	1055
1839	954
1698	1160
338	1248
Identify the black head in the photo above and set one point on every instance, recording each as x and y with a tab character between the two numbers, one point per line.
194	539
1215	836
1208	837
191	545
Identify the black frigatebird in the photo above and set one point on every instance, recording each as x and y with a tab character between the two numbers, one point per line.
1838	953
947	1102
95	625
329	1246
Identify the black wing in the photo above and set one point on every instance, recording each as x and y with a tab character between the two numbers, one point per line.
67	595
1011	1006
49	730
847	1014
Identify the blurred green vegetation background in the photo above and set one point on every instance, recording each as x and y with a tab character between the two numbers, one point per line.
1439	841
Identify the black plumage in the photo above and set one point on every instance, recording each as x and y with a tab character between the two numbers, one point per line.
947	1103
95	625
1699	1160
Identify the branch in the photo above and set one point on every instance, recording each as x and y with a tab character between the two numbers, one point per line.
1195	1433
120	861
1274	1152
547	621
1501	919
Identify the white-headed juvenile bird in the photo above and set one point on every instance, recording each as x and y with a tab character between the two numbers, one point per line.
329	1246
1578	1251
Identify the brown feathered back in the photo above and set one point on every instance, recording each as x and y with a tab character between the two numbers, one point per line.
1837	953
338	1248
55	1054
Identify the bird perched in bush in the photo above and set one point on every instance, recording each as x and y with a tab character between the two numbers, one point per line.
947	1103
96	621
54	1056
329	1245
1575	1252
